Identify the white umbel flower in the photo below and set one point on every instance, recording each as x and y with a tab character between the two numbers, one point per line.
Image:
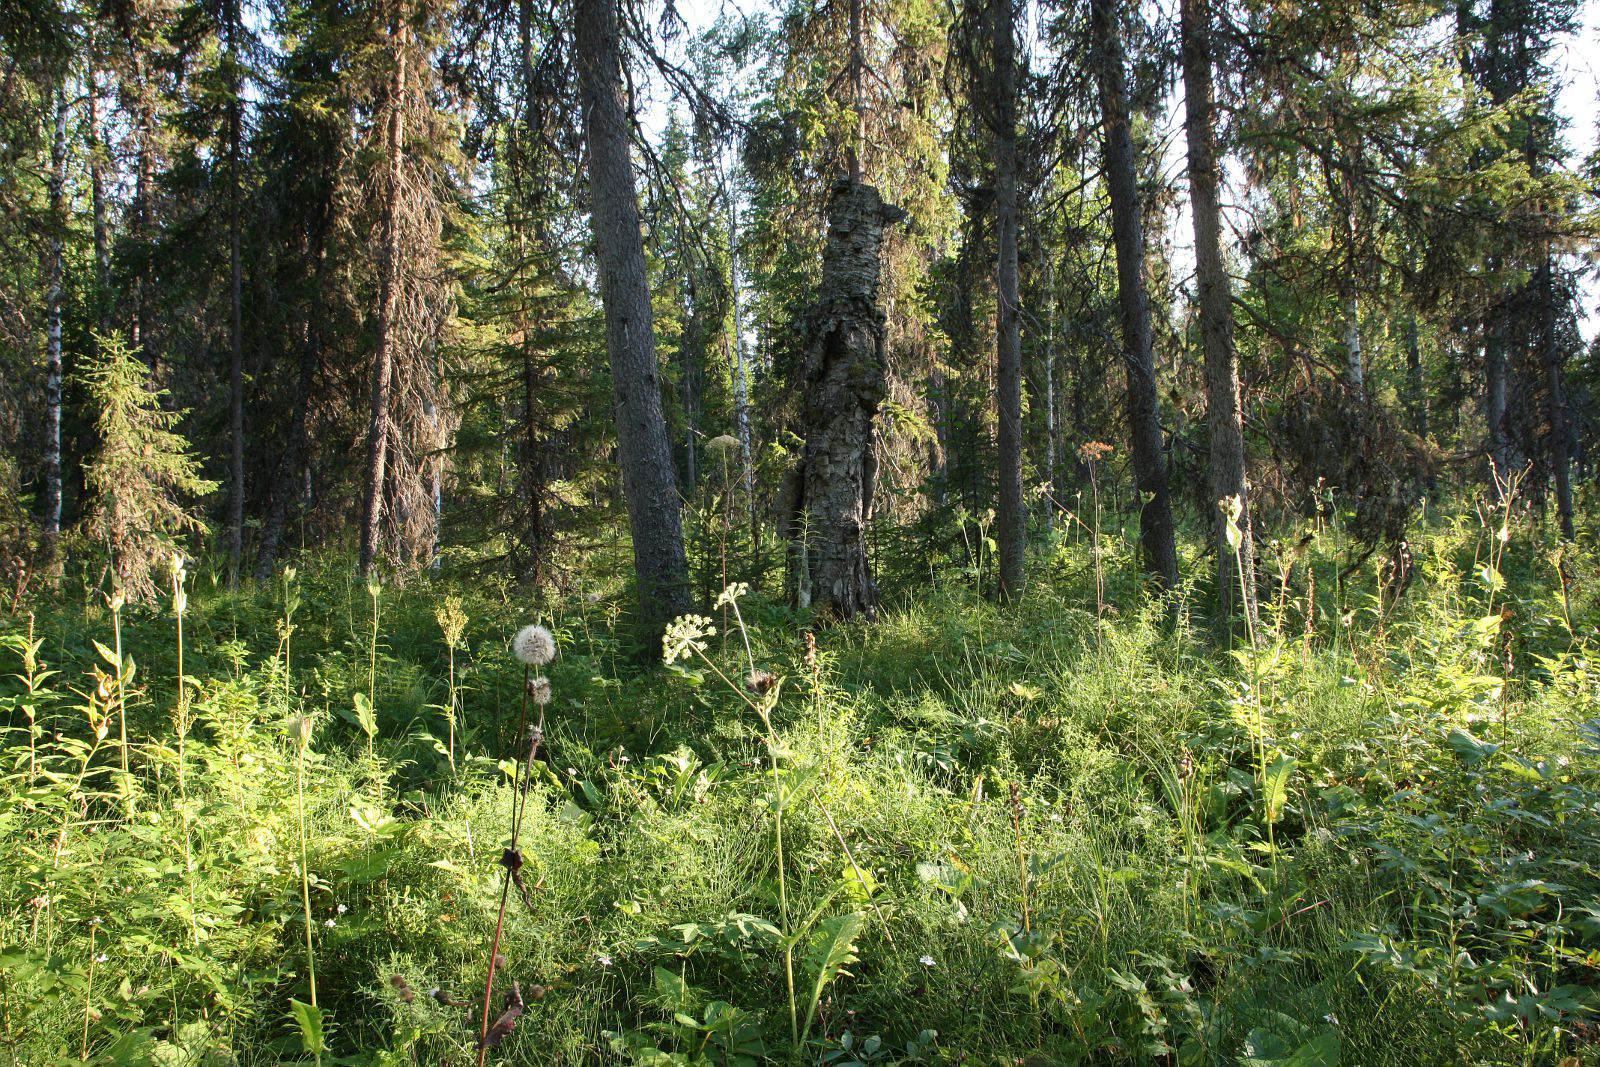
534	646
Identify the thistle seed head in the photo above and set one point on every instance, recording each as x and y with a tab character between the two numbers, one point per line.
539	690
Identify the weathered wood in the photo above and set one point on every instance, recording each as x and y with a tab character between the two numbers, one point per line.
844	374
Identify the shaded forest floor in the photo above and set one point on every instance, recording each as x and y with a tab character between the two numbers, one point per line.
1008	835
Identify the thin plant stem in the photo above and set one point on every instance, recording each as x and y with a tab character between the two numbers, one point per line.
88	998
180	603
305	872
122	699
511	859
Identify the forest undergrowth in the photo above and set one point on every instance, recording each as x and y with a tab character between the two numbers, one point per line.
273	826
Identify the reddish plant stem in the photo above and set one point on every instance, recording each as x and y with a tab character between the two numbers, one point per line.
518	805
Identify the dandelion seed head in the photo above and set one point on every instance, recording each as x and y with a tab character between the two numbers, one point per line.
534	646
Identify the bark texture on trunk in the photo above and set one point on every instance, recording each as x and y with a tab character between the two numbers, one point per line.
1052	421
97	197
144	134
1354	362
1156	534
1496	375
52	303
235	313
649	480
1224	417
1417	384
532	473
1555	396
388	304
845	379
1011	515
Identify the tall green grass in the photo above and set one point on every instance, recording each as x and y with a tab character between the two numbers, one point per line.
959	834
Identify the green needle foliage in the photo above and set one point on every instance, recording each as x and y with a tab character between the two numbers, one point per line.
143	480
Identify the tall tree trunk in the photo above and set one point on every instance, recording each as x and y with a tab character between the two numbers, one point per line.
97	196
741	365
1011	516
530	471
1224	417
388	300
1156	534
235	313
1555	395
143	188
1354	363
844	373
1417	384
1052	419
858	72
649	481
52	303
939	415
144	166
295	462
1496	372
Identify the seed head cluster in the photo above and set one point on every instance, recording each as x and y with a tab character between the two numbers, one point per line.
534	646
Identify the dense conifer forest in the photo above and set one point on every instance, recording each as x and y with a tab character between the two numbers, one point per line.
829	532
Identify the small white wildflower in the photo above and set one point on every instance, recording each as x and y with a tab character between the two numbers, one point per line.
733	593
572	772
604	961
341	909
330	924
101	958
534	646
1331	1018
687	634
928	961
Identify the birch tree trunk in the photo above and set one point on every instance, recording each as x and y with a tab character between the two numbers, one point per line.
649	480
1156	535
54	276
